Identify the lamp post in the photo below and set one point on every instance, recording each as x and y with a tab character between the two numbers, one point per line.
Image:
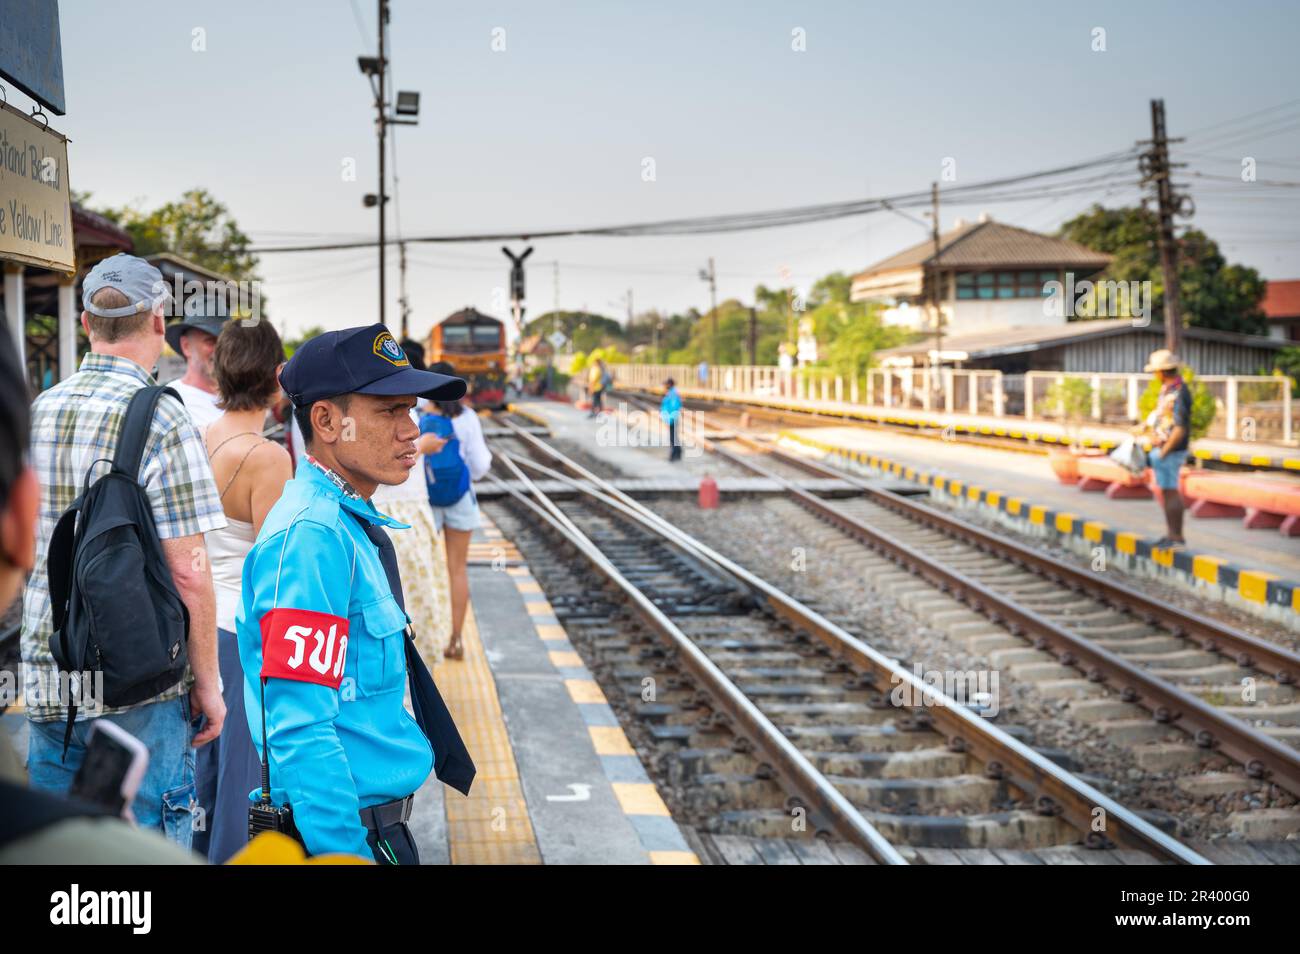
375	68
710	275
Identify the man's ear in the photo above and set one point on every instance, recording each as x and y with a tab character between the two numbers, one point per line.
18	521
85	324
326	422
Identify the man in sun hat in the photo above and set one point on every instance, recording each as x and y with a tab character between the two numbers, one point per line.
194	338
1170	425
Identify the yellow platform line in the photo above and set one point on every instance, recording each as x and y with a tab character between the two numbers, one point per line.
491	825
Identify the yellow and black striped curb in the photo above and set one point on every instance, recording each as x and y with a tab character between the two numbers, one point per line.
1026	432
1253	586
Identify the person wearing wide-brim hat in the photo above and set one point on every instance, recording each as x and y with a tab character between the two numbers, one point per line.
1170	426
194	338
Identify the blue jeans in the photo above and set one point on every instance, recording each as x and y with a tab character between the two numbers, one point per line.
1166	467
166	797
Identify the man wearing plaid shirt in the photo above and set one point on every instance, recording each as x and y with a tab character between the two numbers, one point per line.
74	424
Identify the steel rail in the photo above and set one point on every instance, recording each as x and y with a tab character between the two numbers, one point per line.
811	786
1261	755
1244	648
1005	758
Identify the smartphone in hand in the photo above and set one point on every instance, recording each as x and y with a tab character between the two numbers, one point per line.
114	766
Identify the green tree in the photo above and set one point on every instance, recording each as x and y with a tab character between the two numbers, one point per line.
586	330
1215	294
848	333
1072	399
197	227
293	344
1288	363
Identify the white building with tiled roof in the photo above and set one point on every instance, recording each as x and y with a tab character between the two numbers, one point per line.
991	276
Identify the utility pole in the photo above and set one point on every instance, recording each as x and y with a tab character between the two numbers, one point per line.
936	278
711	276
629	307
383	129
753	335
406	311
1157	169
555	304
375	69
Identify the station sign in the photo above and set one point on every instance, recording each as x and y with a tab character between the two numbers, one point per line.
35	199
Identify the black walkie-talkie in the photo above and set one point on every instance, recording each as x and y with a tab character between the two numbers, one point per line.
264	815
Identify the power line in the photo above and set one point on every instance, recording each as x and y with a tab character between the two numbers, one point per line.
1240	119
986	191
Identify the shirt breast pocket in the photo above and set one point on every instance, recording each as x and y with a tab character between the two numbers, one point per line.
380	631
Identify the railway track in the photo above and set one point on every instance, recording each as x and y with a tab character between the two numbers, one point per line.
769	723
1176	686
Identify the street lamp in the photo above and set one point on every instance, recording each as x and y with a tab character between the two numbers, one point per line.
408	103
375	68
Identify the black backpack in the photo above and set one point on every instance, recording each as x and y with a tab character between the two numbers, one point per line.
116	609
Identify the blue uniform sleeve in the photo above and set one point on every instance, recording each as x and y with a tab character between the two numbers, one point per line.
303	628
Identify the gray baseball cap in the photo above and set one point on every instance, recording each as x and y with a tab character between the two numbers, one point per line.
140	282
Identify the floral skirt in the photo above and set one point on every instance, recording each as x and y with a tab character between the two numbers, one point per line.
422	559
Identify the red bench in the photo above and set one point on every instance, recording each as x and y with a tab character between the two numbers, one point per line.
1102	473
1265	502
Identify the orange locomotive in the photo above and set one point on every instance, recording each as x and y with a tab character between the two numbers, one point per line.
475	345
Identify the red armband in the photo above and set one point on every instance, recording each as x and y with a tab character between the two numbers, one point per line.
304	645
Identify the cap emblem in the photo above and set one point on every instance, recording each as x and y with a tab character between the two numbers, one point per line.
390	350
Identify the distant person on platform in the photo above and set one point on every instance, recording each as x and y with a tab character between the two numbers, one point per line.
194	338
702	372
596	384
670	412
785	362
1170	426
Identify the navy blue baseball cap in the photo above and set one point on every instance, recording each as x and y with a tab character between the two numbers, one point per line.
361	361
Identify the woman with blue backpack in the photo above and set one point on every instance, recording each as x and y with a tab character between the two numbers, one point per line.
455	455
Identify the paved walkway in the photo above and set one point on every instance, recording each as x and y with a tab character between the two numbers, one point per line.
1029	476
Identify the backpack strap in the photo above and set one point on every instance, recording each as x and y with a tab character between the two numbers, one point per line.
59	560
135	429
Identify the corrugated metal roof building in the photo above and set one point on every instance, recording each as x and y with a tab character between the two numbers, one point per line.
1111	344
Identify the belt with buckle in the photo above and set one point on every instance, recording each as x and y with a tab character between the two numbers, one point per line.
378	817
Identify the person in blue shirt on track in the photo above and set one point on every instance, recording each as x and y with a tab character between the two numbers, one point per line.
670	412
321	630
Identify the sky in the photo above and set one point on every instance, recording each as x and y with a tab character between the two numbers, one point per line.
263	105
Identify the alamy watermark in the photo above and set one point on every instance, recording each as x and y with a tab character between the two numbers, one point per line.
976	689
1102	299
225	298
41	688
633	427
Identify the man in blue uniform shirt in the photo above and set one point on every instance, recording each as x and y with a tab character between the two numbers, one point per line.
321	632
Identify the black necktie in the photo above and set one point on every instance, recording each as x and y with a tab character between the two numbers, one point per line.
452	762
387	556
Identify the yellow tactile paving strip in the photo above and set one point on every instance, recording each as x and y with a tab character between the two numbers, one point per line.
491	825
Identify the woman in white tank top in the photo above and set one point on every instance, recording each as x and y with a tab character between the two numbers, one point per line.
250	473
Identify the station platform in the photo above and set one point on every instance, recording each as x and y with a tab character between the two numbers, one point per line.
625	438
1258	454
557	780
1255	570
